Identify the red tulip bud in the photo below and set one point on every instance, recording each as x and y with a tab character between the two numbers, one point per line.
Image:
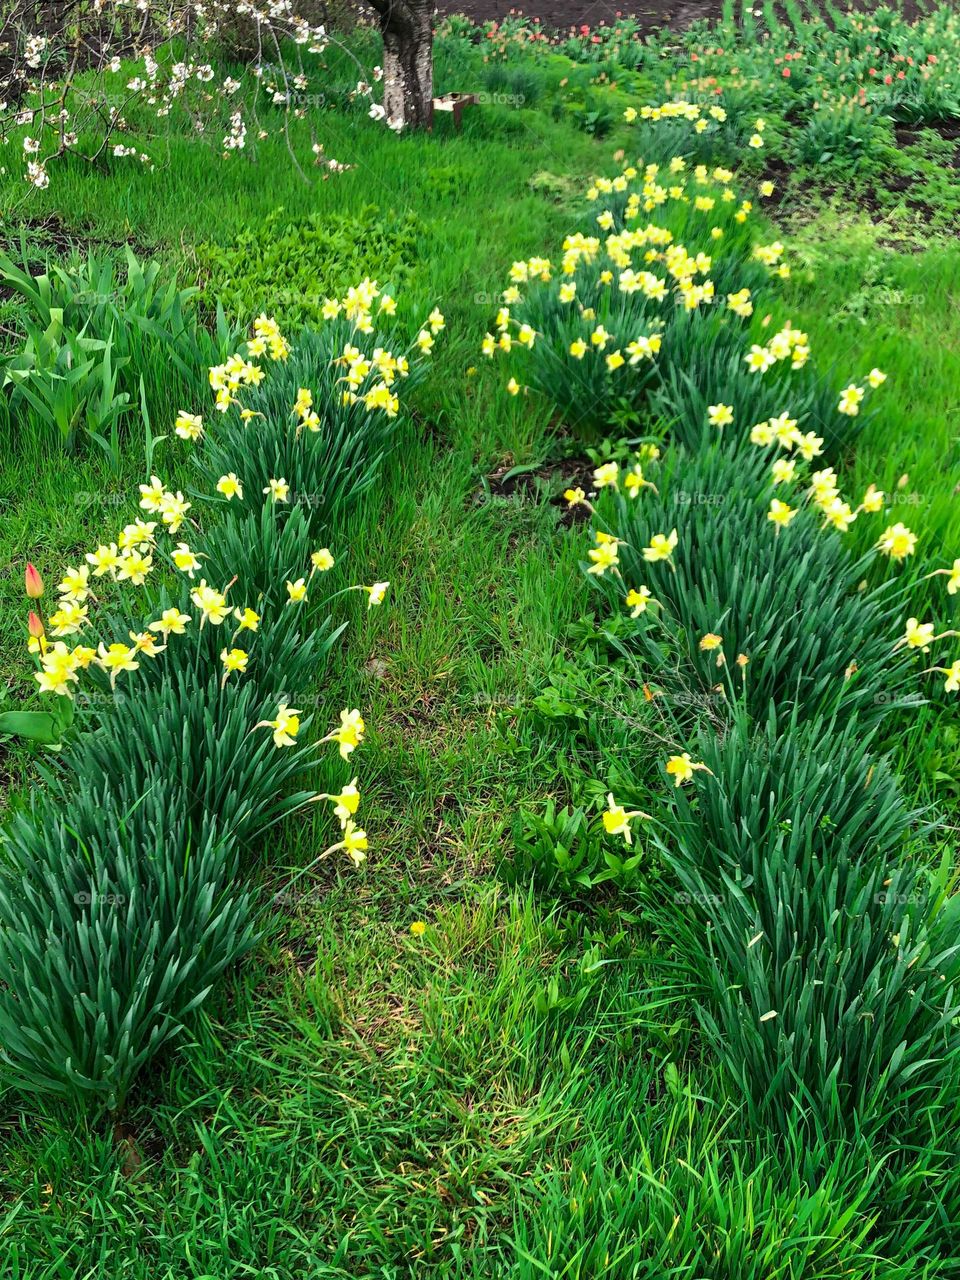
35	626
34	583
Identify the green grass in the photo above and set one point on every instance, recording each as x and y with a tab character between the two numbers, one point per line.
523	1090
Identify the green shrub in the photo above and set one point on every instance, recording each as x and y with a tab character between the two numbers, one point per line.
289	267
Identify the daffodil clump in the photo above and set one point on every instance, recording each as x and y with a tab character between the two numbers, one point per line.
594	330
173	667
334	398
733	561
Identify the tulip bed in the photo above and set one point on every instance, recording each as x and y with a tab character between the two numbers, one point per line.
482	767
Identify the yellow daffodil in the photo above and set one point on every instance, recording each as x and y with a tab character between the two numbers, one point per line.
116	658
616	819
297	591
661	546
606	475
247	619
897	542
184	559
918	635
759	359
681	768
233	660
605	555
230	486
106	559
350	733
170	622
638	599
780	514
211	603
188	426
872	499
285	727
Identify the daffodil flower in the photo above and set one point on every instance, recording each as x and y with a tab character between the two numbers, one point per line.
376	593
661	547
285	727
116	658
106	559
345	802
780	514
897	542
638	600
188	426
233	660
211	603
952	682
953	577
681	768
616	819
184	559
170	622
350	733
230	486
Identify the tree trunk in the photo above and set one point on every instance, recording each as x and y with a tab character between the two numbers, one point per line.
407	29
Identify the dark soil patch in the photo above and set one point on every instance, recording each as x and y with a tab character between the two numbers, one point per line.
561	15
542	483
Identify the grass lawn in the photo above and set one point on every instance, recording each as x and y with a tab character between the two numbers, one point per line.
549	1074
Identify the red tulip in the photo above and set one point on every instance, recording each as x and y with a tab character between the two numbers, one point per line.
35	626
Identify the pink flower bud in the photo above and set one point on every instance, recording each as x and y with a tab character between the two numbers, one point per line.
33	582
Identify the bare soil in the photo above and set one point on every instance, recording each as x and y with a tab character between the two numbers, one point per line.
561	15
